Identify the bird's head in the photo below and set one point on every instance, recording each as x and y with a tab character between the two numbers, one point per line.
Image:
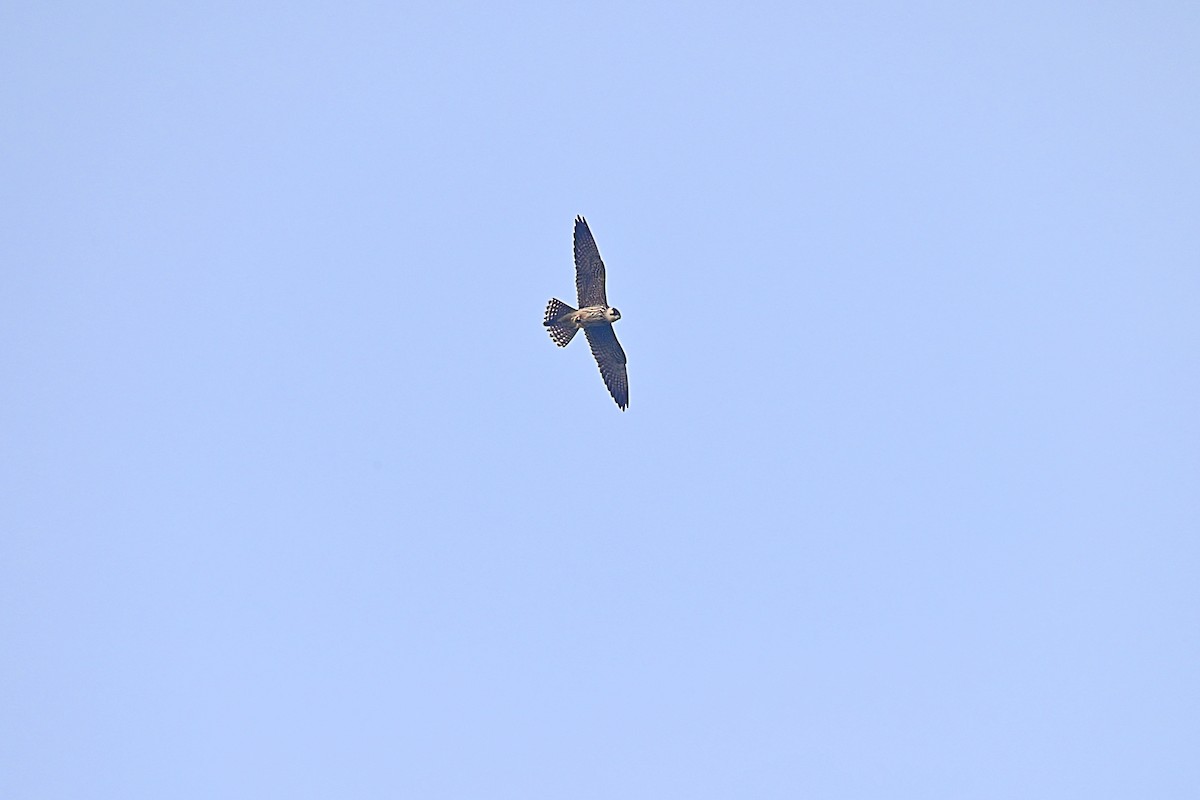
611	314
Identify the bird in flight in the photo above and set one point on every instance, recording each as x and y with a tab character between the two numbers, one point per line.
595	316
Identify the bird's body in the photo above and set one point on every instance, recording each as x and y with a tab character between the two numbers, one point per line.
594	316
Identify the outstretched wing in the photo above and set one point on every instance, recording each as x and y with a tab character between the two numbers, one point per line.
611	360
589	269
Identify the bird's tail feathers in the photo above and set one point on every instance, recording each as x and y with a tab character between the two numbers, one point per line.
560	332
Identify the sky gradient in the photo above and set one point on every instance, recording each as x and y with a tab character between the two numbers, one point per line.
298	499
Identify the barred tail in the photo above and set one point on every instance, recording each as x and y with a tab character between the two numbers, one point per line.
560	332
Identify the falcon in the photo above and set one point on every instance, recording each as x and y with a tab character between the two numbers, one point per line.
595	316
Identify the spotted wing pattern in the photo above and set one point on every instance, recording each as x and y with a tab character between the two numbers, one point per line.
611	360
589	269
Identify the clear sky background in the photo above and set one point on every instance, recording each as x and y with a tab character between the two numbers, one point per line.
298	499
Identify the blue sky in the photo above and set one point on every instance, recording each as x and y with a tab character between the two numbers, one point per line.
298	499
